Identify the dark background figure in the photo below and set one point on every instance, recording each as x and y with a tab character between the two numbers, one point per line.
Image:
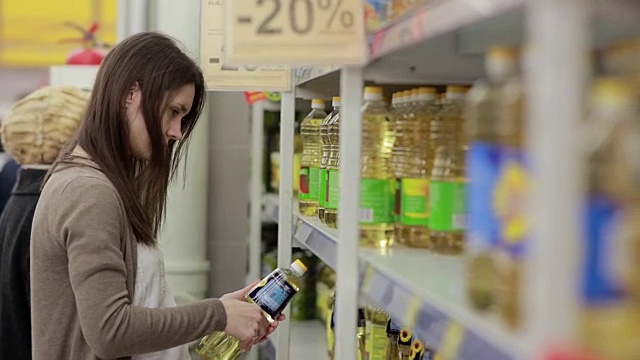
32	162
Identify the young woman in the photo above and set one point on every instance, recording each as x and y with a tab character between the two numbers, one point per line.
101	208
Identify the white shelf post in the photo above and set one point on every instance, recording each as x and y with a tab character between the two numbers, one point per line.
557	79
351	82
285	215
255	229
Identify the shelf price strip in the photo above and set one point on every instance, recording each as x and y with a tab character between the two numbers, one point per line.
430	324
295	32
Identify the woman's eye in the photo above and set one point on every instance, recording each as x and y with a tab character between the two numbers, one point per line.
174	112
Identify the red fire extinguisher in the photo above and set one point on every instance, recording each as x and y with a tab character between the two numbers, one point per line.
92	51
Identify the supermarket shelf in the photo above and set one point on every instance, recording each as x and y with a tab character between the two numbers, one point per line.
308	341
317	237
426	291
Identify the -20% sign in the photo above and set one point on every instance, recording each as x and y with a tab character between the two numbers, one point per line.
302	17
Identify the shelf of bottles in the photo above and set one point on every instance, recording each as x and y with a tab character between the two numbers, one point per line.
455	206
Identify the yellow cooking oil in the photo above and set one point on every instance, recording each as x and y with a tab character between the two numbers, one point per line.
510	203
610	294
417	350
311	158
482	111
396	113
333	171
393	333
405	340
272	294
326	150
447	184
377	186
375	334
414	168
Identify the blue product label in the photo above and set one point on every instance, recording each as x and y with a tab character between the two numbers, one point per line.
510	197
483	161
605	253
273	294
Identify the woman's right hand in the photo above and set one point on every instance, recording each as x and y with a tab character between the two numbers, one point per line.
245	321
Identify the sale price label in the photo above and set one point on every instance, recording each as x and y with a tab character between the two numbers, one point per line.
295	32
220	75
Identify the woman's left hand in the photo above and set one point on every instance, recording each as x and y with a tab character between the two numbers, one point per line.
247	345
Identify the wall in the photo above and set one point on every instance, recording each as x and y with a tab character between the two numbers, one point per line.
15	82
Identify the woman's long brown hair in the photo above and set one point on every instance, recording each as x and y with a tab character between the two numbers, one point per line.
160	68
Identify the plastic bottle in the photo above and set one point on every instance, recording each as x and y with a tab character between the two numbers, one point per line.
482	111
333	172
413	168
447	185
377	186
393	332
395	162
311	158
361	334
610	320
272	294
326	149
376	334
404	344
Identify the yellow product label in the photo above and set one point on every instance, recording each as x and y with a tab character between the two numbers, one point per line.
379	342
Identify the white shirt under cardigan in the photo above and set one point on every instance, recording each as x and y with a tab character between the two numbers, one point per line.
151	291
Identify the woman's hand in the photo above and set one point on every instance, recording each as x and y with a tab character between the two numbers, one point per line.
245	321
246	345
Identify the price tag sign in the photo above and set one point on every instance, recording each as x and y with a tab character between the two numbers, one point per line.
221	76
295	32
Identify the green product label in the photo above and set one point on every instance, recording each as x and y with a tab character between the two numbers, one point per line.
333	191
322	188
414	203
447	205
379	342
376	201
314	178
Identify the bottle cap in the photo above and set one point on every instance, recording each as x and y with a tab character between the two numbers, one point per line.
427	93
501	61
299	267
372	93
414	94
336	101
612	92
317	104
456	92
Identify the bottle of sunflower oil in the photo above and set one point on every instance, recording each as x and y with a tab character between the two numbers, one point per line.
404	344
412	145
403	101
610	294
311	158
333	171
510	199
482	110
272	294
447	184
326	149
330	325
417	350
375	334
393	333
377	186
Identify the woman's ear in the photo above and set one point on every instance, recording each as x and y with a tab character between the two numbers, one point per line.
131	94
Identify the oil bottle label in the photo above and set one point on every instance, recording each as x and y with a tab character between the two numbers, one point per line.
414	202
483	161
376	201
378	343
333	192
322	188
606	254
304	183
447	205
510	202
309	177
273	294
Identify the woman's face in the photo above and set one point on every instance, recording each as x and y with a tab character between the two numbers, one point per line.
177	108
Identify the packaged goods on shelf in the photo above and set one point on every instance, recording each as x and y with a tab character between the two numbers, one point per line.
311	158
610	273
333	171
376	13
377	187
484	163
447	184
327	148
